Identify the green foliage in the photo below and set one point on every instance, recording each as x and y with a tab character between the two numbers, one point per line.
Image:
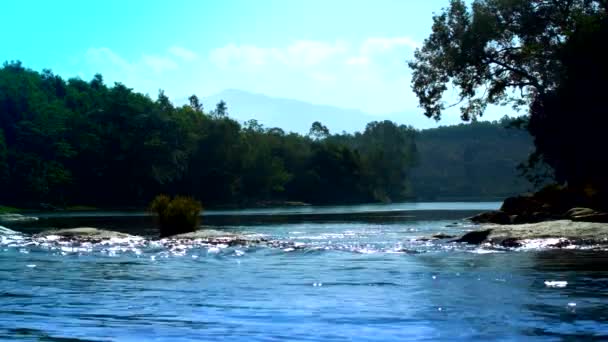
471	161
8	210
387	153
65	142
538	54
176	216
318	131
493	47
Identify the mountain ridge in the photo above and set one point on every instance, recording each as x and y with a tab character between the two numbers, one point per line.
294	115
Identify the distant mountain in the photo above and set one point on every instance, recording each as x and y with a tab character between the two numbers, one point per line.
298	116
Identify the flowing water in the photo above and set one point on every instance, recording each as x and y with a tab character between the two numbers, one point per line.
328	274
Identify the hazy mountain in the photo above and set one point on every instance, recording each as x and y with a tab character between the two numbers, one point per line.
297	116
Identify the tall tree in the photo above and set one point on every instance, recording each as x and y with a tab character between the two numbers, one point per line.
524	53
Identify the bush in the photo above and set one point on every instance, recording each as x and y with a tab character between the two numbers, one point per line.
176	216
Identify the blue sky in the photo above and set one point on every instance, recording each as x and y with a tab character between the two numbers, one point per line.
344	53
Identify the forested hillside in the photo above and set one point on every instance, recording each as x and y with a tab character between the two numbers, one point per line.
66	142
471	161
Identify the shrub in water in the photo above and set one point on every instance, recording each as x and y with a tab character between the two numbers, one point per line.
176	216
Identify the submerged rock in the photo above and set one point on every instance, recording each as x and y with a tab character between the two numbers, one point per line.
216	237
442	236
566	232
85	233
475	237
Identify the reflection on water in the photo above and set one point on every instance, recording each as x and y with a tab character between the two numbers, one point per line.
326	278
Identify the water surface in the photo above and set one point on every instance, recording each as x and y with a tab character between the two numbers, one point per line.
334	274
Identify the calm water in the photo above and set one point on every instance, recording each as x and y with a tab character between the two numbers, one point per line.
334	274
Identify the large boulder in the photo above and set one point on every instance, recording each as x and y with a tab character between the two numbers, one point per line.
475	237
498	217
521	205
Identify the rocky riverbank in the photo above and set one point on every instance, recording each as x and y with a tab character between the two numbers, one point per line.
559	233
549	204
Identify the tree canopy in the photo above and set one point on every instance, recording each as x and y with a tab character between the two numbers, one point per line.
537	54
84	142
65	142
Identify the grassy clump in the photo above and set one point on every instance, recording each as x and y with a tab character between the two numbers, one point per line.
176	216
8	210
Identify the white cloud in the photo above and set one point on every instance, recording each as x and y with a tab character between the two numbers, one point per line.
299	54
376	45
183	53
158	64
309	54
358	60
240	56
368	74
146	73
323	77
104	55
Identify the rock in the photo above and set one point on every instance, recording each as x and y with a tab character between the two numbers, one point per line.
519	205
576	232
534	217
85	233
203	234
475	237
596	217
442	236
580	212
587	215
12	218
510	243
216	237
498	217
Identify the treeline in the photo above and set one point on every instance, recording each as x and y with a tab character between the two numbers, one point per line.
83	142
67	142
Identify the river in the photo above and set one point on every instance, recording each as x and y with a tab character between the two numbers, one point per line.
346	273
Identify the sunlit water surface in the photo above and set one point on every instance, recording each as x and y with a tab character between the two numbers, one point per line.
329	274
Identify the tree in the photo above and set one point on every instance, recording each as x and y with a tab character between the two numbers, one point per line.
3	160
493	48
221	110
195	103
522	53
318	131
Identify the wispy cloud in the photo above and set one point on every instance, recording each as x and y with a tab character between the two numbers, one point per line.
104	56
183	53
299	54
369	74
158	64
376	45
309	54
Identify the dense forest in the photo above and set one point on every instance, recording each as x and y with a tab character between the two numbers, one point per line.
480	160
67	142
